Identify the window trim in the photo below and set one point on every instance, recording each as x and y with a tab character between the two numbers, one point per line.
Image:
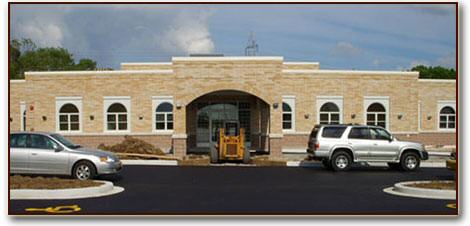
290	100
110	100
440	105
60	102
156	101
321	100
385	101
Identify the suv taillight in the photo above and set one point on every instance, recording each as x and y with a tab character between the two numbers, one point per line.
317	146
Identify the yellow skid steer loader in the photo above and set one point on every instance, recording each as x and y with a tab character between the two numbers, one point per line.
230	147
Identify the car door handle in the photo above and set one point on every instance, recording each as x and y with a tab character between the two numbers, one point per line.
34	153
375	144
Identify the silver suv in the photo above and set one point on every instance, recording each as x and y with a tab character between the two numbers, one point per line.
338	146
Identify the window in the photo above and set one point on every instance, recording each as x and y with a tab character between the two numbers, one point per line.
286	116
333	132
447	118
69	118
380	134
41	142
116	117
23	115
18	140
376	115
288	113
68	114
359	133
164	116
329	114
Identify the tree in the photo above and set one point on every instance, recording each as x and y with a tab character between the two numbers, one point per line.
25	56
438	72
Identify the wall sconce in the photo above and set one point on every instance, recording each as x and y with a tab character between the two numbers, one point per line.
275	105
353	116
307	116
44	118
11	120
400	116
429	117
92	117
179	105
141	117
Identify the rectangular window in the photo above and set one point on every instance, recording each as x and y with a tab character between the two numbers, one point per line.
359	133
333	132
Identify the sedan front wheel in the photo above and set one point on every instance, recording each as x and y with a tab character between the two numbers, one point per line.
84	170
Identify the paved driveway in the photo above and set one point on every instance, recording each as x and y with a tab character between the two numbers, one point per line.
255	190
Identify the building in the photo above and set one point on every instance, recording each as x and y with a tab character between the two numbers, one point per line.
179	105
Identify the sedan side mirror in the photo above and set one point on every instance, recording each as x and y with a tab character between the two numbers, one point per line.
58	148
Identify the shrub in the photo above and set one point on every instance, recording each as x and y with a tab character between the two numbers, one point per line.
132	145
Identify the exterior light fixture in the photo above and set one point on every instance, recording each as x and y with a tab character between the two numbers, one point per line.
275	105
400	116
141	117
429	117
179	105
44	118
307	116
92	117
11	120
353	116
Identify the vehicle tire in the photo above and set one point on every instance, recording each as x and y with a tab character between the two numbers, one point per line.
214	155
394	166
84	170
246	156
341	161
409	161
326	163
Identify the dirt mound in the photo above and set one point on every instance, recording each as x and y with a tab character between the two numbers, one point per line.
132	145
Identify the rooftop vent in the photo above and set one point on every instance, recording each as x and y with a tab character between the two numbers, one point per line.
206	55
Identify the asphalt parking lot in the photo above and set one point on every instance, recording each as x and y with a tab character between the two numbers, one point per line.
254	190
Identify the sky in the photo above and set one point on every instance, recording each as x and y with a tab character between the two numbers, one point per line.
339	36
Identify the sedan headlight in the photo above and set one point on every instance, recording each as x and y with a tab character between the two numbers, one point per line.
106	159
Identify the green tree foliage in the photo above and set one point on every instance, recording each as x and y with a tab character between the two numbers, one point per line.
25	56
437	72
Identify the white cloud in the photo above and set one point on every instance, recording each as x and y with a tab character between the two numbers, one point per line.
42	33
345	49
188	34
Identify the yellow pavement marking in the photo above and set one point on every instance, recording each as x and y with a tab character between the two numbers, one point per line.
57	209
452	205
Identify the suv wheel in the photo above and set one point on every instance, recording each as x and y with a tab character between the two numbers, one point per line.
341	161
409	162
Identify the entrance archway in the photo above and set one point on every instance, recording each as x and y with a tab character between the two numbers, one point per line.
227	109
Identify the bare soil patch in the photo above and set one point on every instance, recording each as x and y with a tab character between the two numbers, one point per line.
131	145
40	182
194	160
266	161
442	185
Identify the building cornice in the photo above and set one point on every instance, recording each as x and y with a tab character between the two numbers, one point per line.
438	80
348	72
120	72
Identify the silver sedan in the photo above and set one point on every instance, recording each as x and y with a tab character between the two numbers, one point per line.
50	153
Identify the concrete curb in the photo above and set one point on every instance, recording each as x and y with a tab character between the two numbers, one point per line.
105	189
149	162
440	164
401	189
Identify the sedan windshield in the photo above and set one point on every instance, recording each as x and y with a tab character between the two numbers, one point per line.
64	141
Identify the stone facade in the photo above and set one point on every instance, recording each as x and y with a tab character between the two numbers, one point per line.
412	104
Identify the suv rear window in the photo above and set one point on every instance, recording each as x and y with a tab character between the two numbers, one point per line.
333	132
359	133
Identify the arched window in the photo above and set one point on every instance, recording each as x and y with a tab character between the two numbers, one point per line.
376	115
68	118
447	118
164	116
116	117
329	113
286	116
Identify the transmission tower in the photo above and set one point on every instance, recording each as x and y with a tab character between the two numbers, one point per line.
251	48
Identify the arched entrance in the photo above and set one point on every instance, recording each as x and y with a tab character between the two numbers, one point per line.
230	109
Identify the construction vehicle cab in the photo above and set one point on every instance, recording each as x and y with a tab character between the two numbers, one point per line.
230	145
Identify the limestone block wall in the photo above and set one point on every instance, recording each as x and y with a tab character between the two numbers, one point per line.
430	93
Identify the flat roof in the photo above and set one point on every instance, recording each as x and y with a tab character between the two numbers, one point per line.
323	71
119	72
229	58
